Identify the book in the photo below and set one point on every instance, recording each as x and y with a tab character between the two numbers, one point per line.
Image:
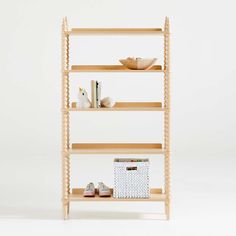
93	93
98	94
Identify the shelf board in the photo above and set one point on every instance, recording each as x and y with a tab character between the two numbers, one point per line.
85	31
124	106
111	68
116	148
77	195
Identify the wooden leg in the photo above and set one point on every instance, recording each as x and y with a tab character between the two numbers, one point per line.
167	209
65	211
65	119
68	208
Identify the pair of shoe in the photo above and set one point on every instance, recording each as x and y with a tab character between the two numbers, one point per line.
102	190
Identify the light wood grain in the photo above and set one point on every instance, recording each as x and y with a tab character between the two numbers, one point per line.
117	151
124	106
116	145
111	68
77	195
120	31
65	118
116	148
167	116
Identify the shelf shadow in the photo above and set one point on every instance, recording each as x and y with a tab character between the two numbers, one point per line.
30	213
111	215
56	214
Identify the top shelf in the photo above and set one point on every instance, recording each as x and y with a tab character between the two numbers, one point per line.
110	68
77	31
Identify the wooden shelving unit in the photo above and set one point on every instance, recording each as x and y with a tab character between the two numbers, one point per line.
68	149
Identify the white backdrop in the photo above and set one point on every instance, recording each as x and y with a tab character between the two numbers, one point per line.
202	87
202	44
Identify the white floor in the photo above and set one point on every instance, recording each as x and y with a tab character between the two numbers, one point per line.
203	202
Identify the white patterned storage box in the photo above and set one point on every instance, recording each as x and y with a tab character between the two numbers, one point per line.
131	178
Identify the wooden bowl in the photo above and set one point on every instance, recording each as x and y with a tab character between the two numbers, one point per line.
138	63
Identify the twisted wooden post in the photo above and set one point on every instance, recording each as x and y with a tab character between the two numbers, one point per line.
65	119
167	116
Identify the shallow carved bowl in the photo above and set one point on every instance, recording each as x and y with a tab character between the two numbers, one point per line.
138	63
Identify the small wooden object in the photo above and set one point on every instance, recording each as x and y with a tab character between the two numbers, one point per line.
138	63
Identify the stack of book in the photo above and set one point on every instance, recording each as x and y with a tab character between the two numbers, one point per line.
96	93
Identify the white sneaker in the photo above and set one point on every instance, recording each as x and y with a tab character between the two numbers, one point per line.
89	191
103	190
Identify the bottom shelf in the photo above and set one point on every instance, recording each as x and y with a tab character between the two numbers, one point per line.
77	195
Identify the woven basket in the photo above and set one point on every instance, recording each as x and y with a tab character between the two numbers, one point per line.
138	63
131	178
